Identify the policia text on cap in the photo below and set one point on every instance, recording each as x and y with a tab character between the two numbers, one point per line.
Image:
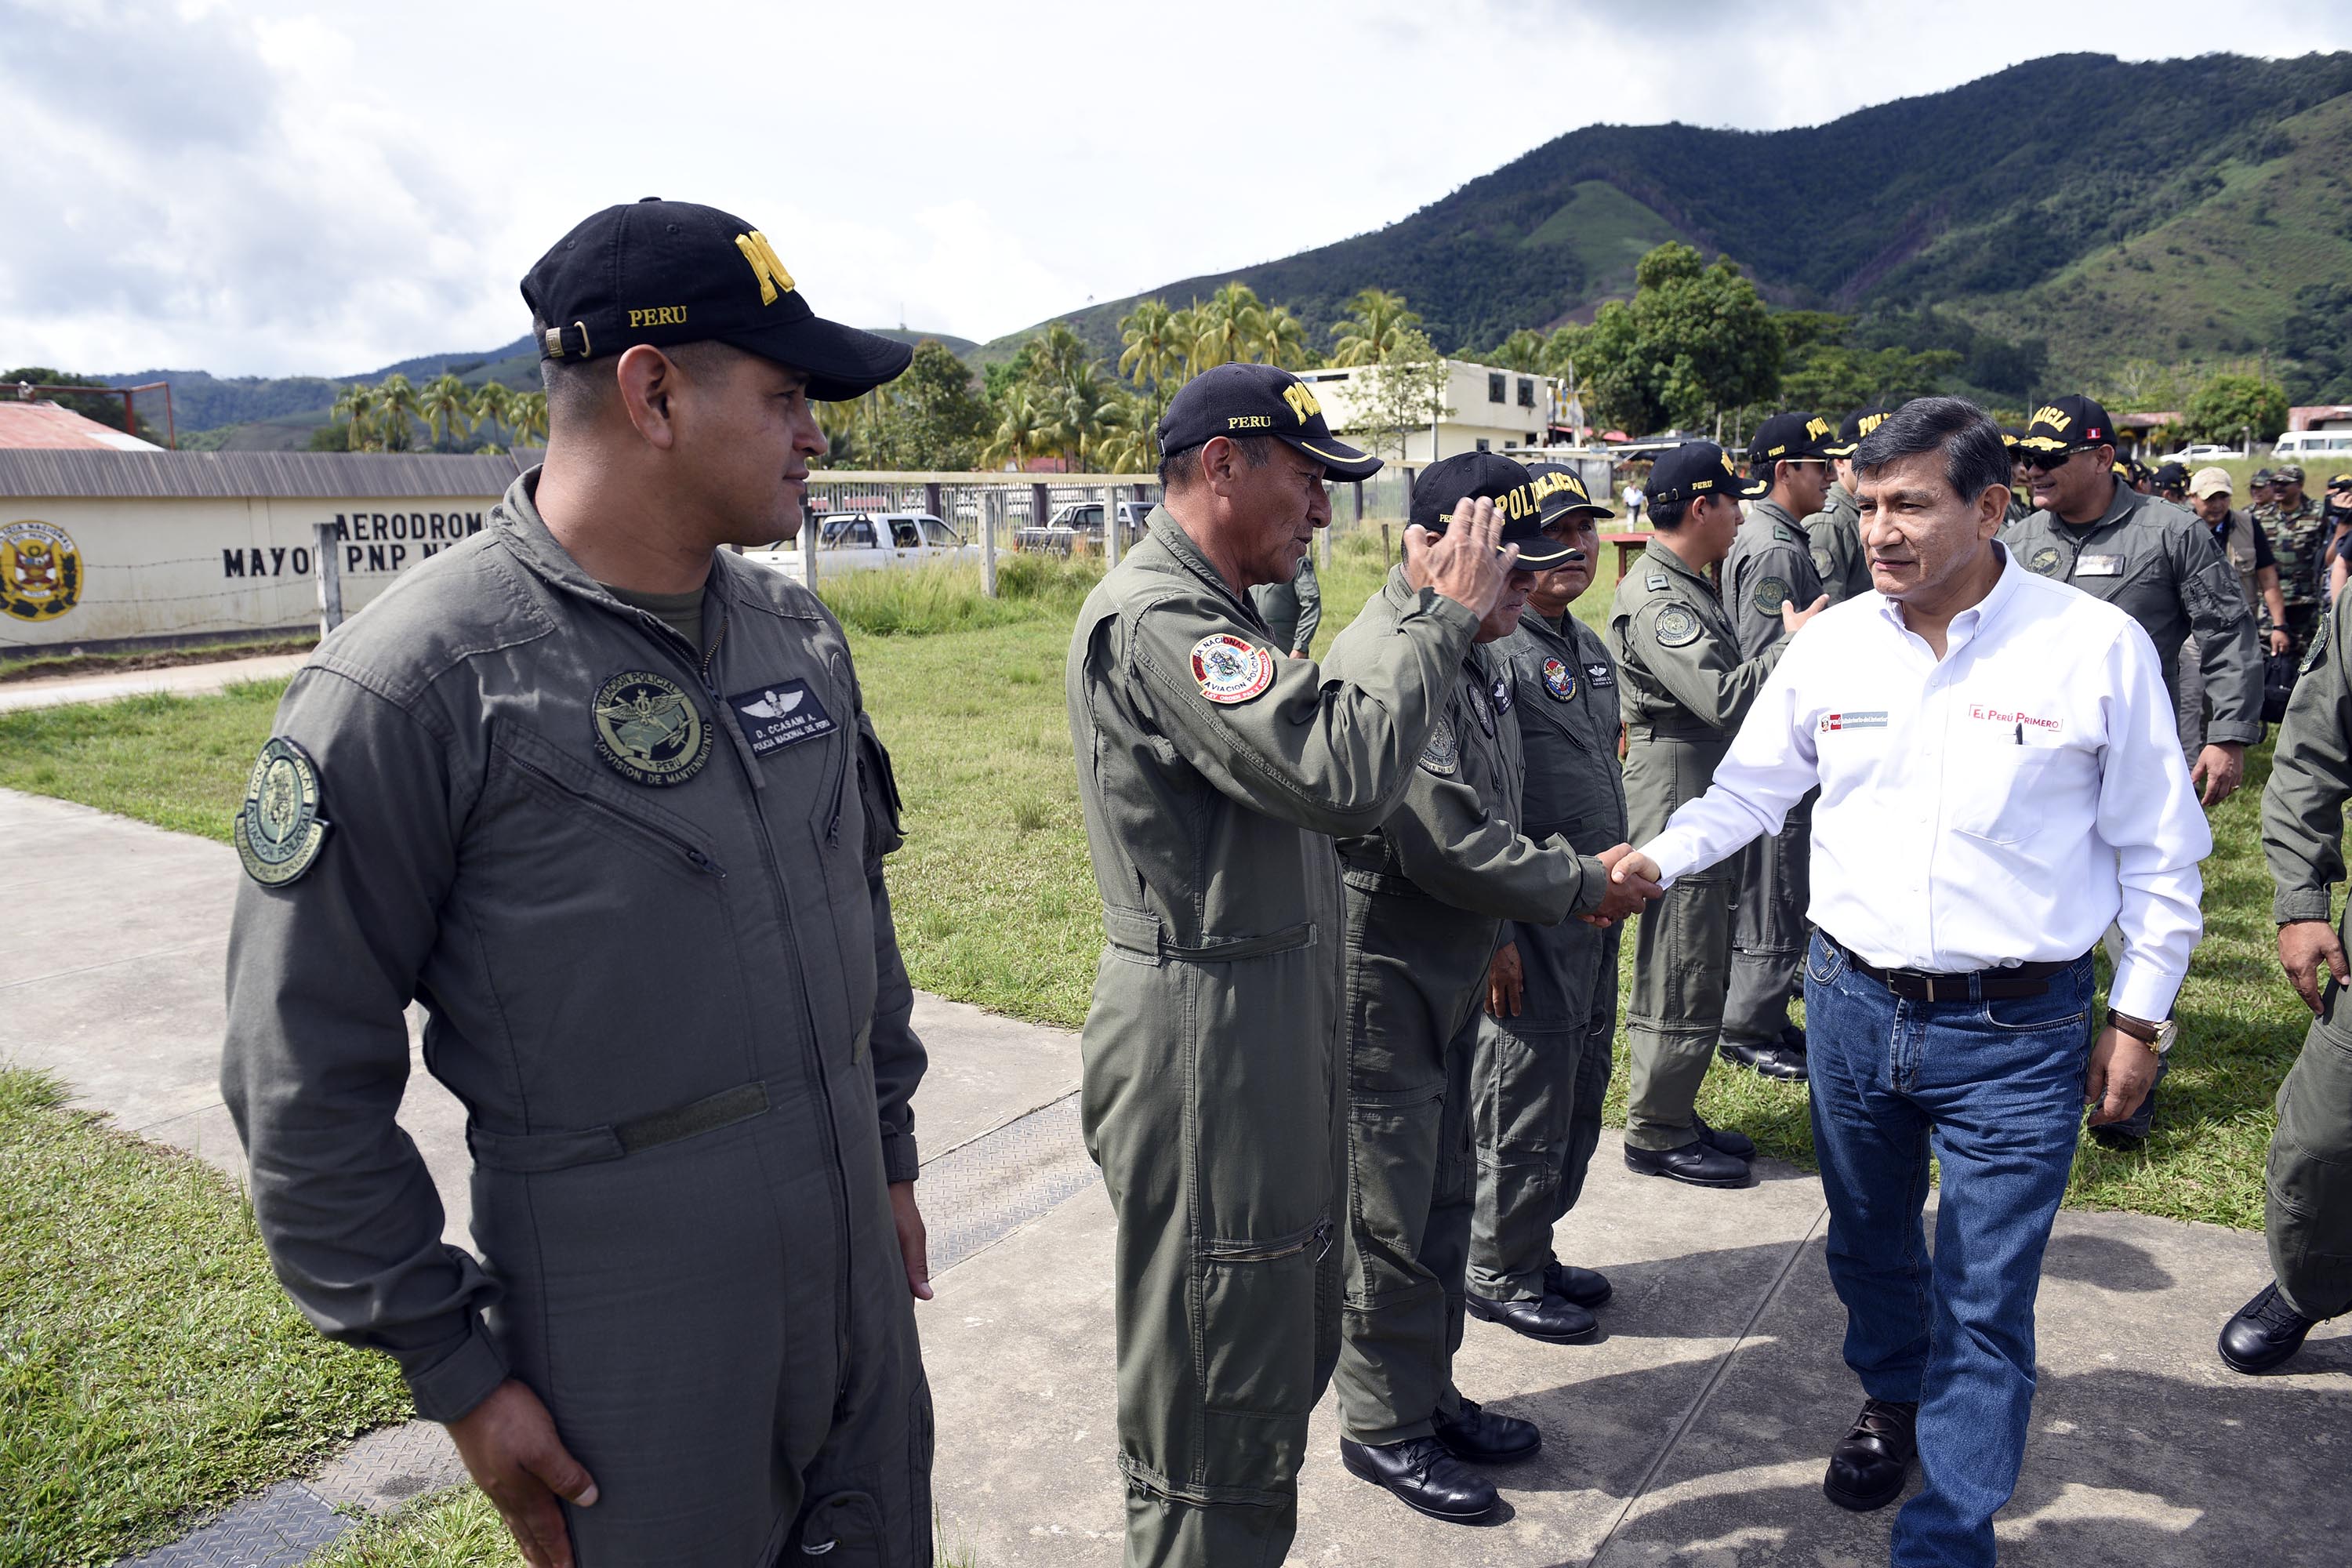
604	799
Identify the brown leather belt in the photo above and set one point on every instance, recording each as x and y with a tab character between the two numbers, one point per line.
1974	986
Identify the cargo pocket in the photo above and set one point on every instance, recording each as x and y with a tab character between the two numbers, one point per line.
2309	1177
1255	1342
845	1529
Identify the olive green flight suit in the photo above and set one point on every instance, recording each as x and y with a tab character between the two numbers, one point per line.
1770	564
652	939
1538	1079
1426	897
1212	772
1683	687
2309	1213
1292	611
1833	538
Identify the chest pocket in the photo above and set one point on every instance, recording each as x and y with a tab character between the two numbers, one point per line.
588	799
2008	797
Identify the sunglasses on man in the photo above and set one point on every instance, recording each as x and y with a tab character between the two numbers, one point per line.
2044	460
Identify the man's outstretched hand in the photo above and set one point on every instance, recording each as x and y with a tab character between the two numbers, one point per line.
1466	565
510	1448
1629	891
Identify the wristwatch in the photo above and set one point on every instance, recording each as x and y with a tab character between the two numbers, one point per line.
2156	1037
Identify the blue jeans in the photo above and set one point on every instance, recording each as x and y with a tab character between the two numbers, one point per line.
1996	1089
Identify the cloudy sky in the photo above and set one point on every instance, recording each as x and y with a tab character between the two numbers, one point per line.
281	186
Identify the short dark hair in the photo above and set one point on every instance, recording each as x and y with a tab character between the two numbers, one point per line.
1974	459
1668	513
1178	470
578	389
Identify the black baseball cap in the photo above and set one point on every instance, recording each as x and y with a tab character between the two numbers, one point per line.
2340	482
2069	424
1689	472
2010	437
2172	477
1559	492
1785	437
1240	400
1469	475
1862	421
671	272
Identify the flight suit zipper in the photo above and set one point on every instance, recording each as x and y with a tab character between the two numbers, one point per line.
813	1064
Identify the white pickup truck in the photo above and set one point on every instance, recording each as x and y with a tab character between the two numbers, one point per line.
1083	519
867	542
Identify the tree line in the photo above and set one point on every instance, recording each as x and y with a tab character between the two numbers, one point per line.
396	415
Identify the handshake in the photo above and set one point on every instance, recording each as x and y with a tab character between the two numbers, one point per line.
1632	883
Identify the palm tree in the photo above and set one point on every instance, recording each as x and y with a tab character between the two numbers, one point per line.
1282	340
1075	417
356	408
1523	350
1019	416
526	416
445	402
491	406
1375	325
396	413
1059	356
1130	442
1230	325
1154	350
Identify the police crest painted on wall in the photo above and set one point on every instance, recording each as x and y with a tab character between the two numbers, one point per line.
40	571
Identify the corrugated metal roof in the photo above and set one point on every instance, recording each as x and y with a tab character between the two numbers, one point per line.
30	473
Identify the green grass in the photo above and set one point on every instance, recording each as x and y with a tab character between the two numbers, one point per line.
996	905
928	600
151	1369
71	661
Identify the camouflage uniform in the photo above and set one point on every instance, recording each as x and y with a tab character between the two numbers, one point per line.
2298	537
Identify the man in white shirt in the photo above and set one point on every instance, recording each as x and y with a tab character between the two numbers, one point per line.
2000	778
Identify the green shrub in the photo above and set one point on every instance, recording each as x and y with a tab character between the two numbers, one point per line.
924	600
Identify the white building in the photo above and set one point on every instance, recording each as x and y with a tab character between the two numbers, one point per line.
1482	409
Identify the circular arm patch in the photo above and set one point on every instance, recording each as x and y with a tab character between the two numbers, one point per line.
1677	627
278	830
1230	669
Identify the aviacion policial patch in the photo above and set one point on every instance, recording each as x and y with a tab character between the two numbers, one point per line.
278	828
781	715
2045	561
1230	669
1559	681
1770	594
1443	753
648	729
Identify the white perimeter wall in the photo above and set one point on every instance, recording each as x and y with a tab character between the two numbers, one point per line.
159	568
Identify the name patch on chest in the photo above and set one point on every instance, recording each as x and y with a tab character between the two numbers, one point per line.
1502	694
1875	719
2099	567
785	714
1599	674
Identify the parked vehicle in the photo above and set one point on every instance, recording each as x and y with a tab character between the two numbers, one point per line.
869	542
2298	444
2203	452
1082	520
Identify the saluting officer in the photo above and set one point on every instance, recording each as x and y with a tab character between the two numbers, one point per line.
1426	897
1550	1029
1683	689
2308	1214
2158	564
1212	771
604	799
1771	564
1834	533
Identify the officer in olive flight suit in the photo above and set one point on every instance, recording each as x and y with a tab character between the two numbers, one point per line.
1683	689
2308	1214
1771	564
1833	534
1426	897
631	864
1292	611
2159	564
1214	771
1550	1026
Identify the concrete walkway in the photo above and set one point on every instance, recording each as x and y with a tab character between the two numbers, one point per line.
1693	1432
181	680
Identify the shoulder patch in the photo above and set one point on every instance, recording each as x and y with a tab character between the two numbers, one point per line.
1231	670
1443	753
1677	627
1822	564
1657	580
1770	594
278	830
2318	646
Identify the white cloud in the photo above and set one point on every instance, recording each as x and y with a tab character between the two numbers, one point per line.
285	185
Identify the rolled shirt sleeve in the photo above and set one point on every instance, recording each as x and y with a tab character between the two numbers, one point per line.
2148	814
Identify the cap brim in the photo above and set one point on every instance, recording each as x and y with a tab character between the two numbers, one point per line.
1845	451
1591	508
1337	456
1543	555
841	363
1754	490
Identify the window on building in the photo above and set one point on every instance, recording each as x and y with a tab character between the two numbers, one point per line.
1495	379
1531	437
1482	443
1527	392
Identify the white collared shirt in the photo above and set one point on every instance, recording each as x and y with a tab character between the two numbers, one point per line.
2000	805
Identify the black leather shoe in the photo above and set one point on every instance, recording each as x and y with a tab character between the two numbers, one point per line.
1866	1469
2265	1333
1772	1061
1424	1477
1477	1436
2116	1138
1730	1140
1700	1163
1584	1286
1554	1321
1792	1038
